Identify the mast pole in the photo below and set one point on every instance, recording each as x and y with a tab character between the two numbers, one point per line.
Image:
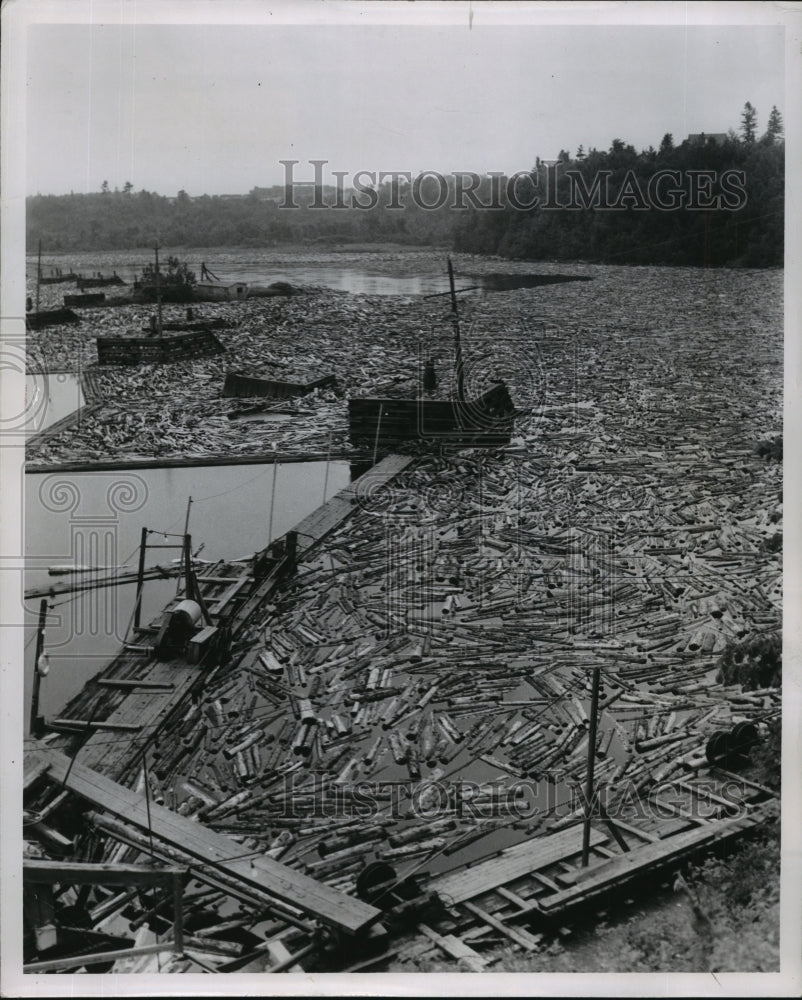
158	293
40	642
457	342
140	577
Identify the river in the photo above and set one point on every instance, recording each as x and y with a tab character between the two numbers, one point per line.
413	275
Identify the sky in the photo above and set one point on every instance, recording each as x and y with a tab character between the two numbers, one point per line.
213	109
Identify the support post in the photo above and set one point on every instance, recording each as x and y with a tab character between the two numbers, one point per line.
35	723
178	915
38	275
378	428
457	340
272	501
140	577
594	712
186	532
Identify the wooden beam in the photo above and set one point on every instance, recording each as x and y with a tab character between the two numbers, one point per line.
74	873
140	685
31	770
344	912
515	934
76	961
128	727
455	948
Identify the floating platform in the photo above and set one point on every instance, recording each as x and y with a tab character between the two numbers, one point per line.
485	421
58	279
50	317
247	386
102	282
157	350
190	326
89	299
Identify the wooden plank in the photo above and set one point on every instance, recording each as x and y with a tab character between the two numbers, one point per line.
516	934
636	831
512	897
74	873
128	727
32	768
345	912
544	880
523	859
143	685
746	782
705	793
455	948
279	953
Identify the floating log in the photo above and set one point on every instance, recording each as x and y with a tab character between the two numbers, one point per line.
50	317
90	299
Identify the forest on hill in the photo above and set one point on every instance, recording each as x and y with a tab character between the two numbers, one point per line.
707	201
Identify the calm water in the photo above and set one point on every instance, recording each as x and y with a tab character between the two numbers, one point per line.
96	518
50	397
263	269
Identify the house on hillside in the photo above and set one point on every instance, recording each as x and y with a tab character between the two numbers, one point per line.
700	138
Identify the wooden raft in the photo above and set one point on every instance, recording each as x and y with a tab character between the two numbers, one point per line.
346	913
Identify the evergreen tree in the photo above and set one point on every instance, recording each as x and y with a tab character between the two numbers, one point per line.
774	129
748	123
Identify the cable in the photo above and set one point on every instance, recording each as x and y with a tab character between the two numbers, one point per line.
233	489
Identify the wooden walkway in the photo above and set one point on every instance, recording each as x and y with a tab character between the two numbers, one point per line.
346	913
331	514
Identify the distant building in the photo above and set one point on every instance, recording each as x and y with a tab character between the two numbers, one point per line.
700	138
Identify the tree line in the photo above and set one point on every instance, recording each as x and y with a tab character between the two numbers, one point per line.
706	201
